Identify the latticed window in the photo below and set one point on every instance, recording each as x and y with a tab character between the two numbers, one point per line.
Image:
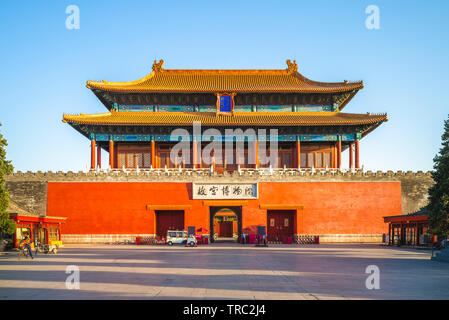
319	160
133	155
327	159
164	160
139	158
284	159
54	235
303	159
146	160
316	159
132	159
310	160
122	160
183	159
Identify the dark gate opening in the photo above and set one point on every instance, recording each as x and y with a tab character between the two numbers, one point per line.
225	227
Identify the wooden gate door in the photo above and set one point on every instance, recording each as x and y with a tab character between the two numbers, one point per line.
279	224
169	220
225	229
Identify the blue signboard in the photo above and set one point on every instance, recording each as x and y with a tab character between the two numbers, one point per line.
225	104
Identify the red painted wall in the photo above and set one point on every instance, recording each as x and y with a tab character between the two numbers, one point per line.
120	207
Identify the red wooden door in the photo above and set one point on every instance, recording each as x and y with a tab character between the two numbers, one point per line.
279	224
169	220
225	229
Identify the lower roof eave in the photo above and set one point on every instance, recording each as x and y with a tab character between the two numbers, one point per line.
406	218
37	218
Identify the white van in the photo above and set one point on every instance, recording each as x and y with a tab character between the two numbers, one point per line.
179	237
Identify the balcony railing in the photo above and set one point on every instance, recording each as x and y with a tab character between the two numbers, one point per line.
212	170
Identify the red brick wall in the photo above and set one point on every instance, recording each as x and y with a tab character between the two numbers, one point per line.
339	207
120	207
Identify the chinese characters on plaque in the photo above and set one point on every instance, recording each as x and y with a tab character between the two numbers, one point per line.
225	191
225	104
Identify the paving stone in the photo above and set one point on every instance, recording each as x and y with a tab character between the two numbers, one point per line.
226	271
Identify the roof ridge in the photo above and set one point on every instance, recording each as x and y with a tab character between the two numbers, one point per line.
285	80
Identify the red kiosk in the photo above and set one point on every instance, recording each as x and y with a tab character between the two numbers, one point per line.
45	229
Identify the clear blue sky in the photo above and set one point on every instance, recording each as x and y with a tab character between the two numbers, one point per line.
44	66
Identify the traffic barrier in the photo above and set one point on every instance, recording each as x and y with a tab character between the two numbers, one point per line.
147	241
307	239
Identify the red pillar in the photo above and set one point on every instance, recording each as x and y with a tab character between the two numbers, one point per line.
98	156
351	156
357	163
111	154
153	153
92	154
298	153
339	154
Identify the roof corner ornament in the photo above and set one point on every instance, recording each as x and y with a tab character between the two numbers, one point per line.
292	67
157	66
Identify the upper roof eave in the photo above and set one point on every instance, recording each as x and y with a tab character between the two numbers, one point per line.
224	80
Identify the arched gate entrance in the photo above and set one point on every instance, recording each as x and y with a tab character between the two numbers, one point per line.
225	223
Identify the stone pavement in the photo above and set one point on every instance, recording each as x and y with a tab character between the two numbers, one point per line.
226	271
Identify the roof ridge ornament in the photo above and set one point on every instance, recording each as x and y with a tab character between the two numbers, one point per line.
292	67
157	66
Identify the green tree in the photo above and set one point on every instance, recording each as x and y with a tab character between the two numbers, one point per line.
7	226
439	192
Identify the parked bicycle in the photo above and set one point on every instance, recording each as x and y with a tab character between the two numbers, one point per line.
23	253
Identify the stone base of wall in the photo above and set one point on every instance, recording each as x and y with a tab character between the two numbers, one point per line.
350	238
114	238
101	238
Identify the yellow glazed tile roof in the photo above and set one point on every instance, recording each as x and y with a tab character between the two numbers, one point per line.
284	80
211	118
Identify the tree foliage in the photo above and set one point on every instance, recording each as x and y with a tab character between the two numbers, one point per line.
7	226
439	192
